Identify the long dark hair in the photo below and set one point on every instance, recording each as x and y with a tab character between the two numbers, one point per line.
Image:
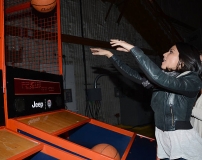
190	57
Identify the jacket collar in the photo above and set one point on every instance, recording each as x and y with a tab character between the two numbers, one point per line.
183	74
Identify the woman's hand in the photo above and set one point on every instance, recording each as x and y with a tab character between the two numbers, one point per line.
121	45
101	52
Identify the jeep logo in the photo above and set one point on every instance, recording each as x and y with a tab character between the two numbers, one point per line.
37	105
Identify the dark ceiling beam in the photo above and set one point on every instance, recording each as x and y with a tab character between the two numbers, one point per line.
37	34
95	43
85	41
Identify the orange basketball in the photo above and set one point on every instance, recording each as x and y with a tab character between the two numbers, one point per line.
107	150
43	5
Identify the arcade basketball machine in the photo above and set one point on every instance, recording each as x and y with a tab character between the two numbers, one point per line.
13	145
33	89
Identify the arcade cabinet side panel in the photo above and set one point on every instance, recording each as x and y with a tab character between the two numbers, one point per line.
2	114
2	64
1	34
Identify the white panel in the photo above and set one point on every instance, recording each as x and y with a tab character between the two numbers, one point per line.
69	83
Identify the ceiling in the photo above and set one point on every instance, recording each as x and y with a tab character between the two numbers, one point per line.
185	11
156	27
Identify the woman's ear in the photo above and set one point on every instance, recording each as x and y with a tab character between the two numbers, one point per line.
180	64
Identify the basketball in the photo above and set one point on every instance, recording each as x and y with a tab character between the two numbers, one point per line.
107	150
43	6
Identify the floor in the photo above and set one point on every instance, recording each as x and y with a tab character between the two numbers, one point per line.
142	148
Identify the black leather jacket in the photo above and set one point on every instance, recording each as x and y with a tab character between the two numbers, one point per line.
172	99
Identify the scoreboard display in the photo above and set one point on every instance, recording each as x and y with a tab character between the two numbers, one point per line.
30	92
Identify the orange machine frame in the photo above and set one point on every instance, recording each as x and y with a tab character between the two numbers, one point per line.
40	147
23	147
2	44
22	123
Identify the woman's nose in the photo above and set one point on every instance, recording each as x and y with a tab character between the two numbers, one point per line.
165	54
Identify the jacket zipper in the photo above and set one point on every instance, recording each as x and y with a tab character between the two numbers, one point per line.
171	111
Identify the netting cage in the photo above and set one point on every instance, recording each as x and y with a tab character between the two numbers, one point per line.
32	38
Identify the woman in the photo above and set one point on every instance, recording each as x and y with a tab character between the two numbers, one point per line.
196	118
175	88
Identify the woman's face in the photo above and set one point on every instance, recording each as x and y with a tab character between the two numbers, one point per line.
170	59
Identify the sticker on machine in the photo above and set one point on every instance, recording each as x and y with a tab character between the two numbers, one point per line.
49	103
37	105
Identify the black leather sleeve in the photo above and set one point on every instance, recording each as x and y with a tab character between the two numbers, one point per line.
130	73
188	85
